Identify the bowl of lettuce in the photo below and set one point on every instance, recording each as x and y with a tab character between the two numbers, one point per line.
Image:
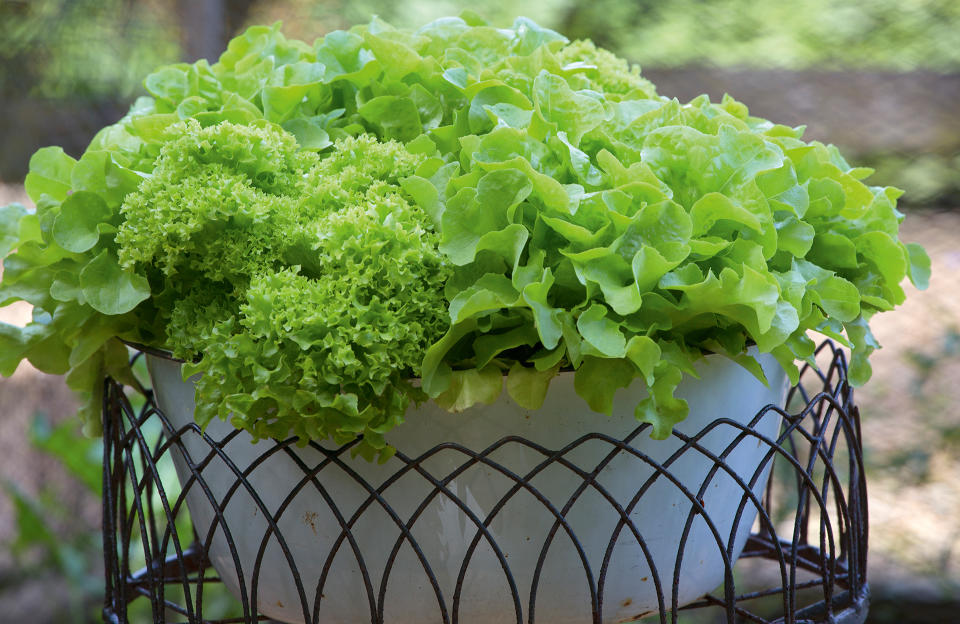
329	234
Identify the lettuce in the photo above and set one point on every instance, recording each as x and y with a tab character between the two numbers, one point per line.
314	227
311	286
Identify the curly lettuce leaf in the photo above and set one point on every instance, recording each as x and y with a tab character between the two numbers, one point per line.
308	288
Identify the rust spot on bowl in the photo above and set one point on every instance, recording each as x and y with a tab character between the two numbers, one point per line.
627	602
636	617
310	518
644	579
279	604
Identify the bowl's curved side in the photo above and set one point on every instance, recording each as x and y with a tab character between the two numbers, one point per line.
494	521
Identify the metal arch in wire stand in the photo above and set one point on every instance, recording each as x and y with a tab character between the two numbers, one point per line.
804	562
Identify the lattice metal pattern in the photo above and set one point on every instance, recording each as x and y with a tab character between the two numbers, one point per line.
805	559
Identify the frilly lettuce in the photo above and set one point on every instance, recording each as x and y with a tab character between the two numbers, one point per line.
314	226
311	286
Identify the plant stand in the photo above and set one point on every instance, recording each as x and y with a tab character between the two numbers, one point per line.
804	562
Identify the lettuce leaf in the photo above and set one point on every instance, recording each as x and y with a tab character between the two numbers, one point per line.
313	226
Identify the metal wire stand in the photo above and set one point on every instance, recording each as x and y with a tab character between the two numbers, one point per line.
804	561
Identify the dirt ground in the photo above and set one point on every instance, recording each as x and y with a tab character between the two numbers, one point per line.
24	396
911	427
911	424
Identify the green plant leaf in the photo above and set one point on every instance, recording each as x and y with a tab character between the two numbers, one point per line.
345	58
472	215
546	318
50	171
864	343
661	408
919	266
601	332
471	387
528	386
10	217
76	226
598	379
12	346
645	354
833	251
170	83
491	292
574	113
398	58
714	207
489	346
394	116
108	288
795	237
881	250
310	133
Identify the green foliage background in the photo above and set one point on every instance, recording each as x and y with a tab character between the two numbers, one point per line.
70	49
91	48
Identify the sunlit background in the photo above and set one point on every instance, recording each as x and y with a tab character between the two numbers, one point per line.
879	78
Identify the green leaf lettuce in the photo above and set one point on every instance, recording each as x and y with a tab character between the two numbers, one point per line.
315	226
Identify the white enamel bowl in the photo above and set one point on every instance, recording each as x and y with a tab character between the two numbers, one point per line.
305	502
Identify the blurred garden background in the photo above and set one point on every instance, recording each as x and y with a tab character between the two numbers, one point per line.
879	78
